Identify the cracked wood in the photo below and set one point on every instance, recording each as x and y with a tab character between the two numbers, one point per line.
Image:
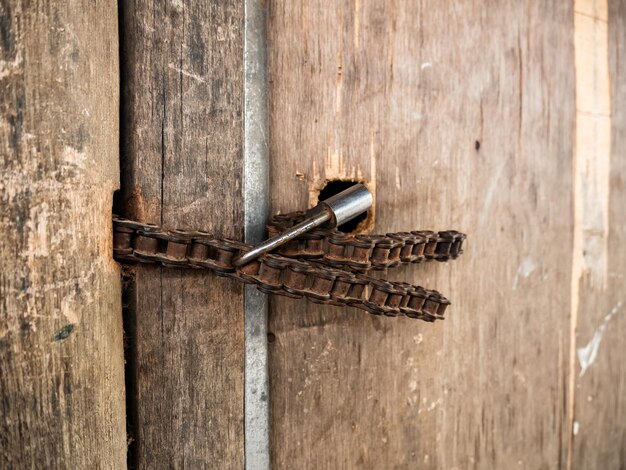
61	355
182	71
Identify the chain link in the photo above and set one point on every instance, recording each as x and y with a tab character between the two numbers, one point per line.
325	266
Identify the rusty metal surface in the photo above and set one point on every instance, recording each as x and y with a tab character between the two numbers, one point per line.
325	266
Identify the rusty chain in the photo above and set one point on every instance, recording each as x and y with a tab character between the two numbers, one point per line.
325	266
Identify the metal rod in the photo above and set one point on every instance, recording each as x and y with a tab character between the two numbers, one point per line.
332	212
268	245
256	210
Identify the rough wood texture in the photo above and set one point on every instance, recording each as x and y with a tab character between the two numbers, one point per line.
459	115
61	356
182	168
599	419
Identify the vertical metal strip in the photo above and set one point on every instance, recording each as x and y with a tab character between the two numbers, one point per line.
256	207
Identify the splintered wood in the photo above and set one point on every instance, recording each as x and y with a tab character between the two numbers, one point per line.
598	375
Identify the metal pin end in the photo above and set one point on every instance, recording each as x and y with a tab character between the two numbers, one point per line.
330	213
346	205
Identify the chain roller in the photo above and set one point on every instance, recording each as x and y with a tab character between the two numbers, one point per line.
325	266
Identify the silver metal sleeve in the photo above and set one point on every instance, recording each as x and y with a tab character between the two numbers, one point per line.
349	203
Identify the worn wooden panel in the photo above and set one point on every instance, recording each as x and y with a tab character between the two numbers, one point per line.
182	168
599	419
61	354
459	115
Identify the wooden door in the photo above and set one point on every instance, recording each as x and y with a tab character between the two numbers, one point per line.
503	120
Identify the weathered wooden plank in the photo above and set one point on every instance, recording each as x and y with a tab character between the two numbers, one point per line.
182	144
598	430
61	354
459	115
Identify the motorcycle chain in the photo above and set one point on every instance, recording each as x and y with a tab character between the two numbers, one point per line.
325	266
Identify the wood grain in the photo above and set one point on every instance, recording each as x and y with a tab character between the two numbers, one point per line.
599	379
61	352
182	168
460	115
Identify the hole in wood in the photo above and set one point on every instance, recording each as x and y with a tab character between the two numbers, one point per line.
334	187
